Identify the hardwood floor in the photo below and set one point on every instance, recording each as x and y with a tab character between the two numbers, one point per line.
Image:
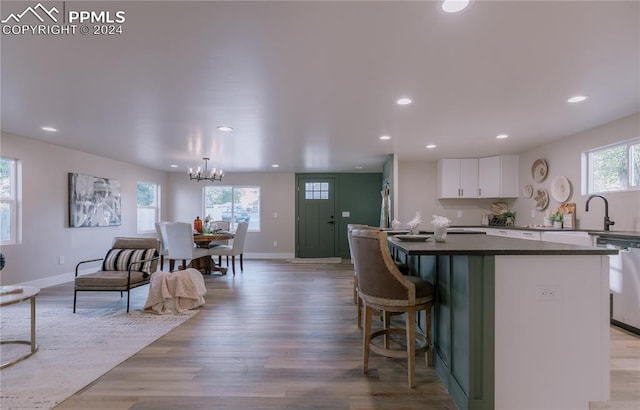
280	336
625	372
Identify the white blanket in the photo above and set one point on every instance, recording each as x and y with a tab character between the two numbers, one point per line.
171	292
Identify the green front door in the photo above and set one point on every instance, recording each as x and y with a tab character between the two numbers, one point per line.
316	219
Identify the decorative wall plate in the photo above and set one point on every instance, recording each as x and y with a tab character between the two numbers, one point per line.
542	199
539	170
560	189
527	191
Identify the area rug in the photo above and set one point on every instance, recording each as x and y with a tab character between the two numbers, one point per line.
74	349
315	260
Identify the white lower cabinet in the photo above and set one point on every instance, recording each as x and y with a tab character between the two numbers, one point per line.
534	236
514	233
571	237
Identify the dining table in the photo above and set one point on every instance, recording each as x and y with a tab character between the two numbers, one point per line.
202	240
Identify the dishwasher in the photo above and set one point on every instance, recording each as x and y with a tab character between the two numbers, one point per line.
624	281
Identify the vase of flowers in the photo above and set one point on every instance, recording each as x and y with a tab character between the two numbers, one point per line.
414	224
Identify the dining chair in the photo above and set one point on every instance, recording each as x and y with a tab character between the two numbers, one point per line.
236	248
223	225
382	286
181	246
219	225
161	234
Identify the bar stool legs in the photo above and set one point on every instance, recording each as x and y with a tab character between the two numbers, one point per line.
366	338
412	336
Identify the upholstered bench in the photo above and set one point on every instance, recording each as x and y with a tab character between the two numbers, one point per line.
128	264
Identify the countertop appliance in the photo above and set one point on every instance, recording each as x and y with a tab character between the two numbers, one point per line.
624	281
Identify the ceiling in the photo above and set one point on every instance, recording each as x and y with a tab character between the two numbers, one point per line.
312	86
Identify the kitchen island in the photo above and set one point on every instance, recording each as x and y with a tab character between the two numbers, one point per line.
517	324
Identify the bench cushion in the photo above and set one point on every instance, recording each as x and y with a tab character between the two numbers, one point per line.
113	280
119	260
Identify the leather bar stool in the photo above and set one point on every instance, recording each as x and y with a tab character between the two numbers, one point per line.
383	287
356	299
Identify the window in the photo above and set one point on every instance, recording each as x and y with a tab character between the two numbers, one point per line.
233	204
148	206
316	190
613	168
9	204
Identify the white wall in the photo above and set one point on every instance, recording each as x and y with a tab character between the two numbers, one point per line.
417	185
564	159
45	229
277	194
417	192
46	235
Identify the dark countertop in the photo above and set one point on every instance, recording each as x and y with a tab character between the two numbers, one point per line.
493	245
631	235
627	235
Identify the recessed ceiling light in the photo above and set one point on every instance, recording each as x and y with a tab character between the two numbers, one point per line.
577	98
173	166
454	6
275	166
502	136
404	101
385	137
50	129
431	146
224	128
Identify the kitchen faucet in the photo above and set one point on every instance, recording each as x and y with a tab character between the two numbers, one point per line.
607	222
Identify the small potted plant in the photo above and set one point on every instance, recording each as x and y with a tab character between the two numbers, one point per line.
509	217
556	218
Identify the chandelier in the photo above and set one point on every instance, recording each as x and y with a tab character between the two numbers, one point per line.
205	174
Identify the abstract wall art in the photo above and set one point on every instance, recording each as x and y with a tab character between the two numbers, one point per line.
94	201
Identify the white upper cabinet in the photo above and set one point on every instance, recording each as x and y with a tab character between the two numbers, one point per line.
491	177
498	177
458	178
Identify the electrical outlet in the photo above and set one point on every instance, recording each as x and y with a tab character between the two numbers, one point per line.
548	292
60	260
459	214
275	244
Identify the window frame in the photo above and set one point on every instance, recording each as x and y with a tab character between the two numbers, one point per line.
14	201
233	224
588	169
157	207
316	191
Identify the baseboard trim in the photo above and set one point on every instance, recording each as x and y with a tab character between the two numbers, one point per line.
268	255
51	280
